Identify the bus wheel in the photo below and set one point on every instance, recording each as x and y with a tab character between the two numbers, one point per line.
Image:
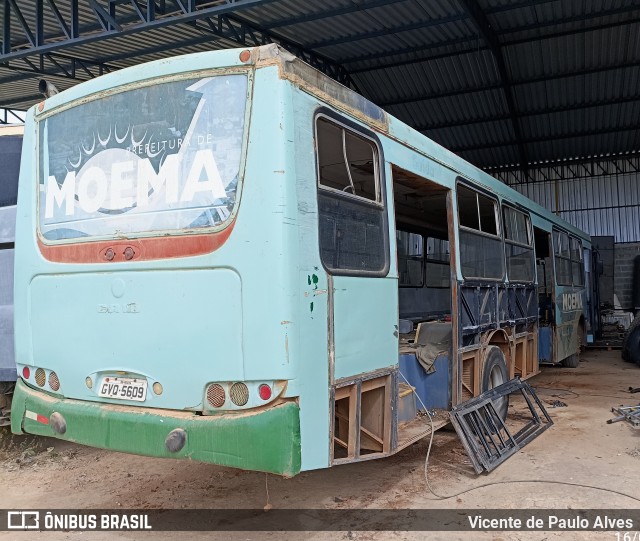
631	343
572	361
495	373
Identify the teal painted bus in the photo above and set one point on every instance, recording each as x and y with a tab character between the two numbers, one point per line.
229	257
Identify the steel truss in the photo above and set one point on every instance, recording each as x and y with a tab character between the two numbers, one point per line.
27	48
11	116
569	169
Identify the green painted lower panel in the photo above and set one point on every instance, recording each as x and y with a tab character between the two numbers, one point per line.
266	440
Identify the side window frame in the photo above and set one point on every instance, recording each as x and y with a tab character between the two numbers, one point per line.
499	228
529	246
380	204
568	259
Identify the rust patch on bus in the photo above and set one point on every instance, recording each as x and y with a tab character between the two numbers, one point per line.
147	249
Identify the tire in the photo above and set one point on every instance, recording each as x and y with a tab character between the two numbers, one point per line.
631	343
495	373
572	361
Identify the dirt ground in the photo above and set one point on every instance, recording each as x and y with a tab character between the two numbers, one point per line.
580	448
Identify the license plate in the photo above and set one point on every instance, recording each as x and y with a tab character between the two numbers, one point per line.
123	389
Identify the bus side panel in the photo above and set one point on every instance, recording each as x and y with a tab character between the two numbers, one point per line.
569	303
310	328
365	320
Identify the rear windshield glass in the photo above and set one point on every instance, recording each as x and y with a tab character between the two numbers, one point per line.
161	158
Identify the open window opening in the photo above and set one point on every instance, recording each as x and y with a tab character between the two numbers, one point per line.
544	269
423	251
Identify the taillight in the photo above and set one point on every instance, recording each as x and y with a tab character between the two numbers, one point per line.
239	394
26	373
216	395
41	377
54	382
264	391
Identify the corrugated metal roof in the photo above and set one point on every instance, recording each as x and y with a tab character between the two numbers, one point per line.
570	84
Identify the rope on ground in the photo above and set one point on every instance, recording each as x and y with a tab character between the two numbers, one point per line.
496	483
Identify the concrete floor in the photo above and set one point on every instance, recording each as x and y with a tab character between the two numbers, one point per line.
580	449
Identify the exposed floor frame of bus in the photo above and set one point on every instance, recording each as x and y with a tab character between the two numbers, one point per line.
485	435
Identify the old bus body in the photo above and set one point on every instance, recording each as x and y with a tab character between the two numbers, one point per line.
221	255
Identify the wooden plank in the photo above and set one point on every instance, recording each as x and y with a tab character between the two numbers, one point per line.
352	448
340	442
420	428
371	384
386	430
371	435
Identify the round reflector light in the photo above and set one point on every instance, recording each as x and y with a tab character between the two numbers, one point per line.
264	391
41	377
157	388
54	382
88	382
26	373
215	395
239	394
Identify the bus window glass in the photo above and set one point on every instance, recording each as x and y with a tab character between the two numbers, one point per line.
410	259
351	216
160	158
468	208
568	259
519	252
346	161
438	270
487	212
516	226
564	245
577	266
481	252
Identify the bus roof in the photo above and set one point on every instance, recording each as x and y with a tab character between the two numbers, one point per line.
325	88
352	103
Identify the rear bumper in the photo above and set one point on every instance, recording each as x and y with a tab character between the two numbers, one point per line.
265	440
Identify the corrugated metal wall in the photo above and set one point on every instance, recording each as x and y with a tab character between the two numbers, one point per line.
601	198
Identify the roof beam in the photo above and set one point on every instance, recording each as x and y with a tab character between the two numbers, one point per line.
476	14
23	99
111	23
498	85
11	116
474	48
351	8
539	112
57	65
108	24
420	25
547	138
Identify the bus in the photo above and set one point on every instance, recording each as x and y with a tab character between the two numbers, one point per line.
229	257
10	147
